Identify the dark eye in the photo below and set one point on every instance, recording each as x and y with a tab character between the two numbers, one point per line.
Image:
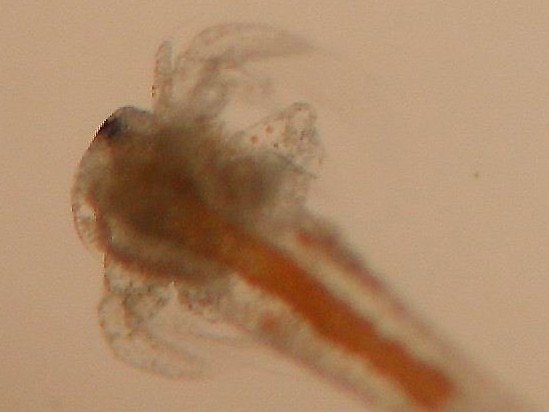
110	127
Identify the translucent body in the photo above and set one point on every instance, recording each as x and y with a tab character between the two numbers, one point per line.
188	213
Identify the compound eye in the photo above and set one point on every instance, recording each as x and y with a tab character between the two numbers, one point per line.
110	127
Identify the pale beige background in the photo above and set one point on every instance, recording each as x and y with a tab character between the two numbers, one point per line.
442	184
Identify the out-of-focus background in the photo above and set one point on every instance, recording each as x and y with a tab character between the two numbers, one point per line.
437	175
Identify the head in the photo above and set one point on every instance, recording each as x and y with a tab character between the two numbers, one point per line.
123	135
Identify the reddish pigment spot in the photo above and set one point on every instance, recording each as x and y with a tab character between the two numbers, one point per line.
270	325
